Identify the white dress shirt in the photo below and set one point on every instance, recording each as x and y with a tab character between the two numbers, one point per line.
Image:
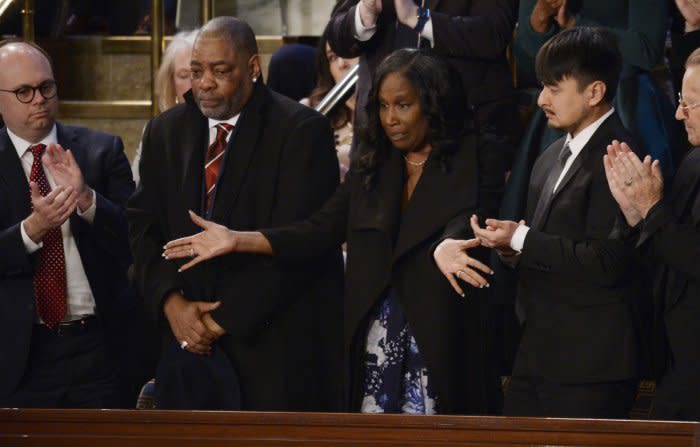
80	300
364	33
212	127
576	145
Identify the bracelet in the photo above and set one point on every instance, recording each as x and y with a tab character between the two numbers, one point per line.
423	17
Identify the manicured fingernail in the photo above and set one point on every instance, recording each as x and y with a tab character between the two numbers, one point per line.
481	286
463	295
179	270
488	285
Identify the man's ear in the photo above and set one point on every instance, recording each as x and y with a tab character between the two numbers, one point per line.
254	67
596	91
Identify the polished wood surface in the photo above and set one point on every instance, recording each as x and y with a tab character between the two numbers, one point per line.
153	428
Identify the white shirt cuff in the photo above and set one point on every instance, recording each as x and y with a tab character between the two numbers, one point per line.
427	32
29	244
363	33
518	240
89	214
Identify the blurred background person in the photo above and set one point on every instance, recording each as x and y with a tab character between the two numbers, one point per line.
173	80
291	70
331	69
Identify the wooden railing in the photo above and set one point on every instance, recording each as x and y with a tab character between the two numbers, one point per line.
152	428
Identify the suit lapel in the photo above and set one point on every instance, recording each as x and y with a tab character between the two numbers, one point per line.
429	195
239	155
594	147
380	208
12	178
194	140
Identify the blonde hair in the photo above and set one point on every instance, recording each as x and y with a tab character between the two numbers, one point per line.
165	88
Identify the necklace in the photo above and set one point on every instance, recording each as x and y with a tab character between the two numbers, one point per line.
414	163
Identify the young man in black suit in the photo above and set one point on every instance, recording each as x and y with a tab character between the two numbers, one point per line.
578	287
669	240
63	245
246	157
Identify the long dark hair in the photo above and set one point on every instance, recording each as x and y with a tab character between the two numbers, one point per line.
442	103
341	113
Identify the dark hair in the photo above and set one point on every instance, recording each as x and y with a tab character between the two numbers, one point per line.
31	44
585	54
341	113
236	31
442	103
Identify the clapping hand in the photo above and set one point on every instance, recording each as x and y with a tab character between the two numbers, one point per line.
369	11
65	171
638	184
50	211
691	13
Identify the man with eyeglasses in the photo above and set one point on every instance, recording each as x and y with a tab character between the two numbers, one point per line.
63	244
667	231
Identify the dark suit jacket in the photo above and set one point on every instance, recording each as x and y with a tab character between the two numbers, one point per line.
670	240
390	248
471	34
103	246
578	285
280	166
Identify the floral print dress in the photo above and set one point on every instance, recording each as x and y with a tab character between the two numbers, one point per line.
395	377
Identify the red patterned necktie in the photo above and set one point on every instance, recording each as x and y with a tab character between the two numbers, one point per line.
212	161
50	275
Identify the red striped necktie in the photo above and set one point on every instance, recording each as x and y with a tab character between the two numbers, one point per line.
50	275
213	159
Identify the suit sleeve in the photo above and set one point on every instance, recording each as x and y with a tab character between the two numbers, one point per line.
670	242
597	259
483	34
110	229
154	276
15	260
341	31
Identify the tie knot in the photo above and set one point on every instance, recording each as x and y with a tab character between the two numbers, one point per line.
37	149
222	130
564	154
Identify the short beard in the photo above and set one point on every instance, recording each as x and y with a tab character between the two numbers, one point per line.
228	109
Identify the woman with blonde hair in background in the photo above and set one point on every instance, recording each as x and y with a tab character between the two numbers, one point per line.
172	81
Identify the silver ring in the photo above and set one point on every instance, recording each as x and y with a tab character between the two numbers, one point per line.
459	274
628	181
184	344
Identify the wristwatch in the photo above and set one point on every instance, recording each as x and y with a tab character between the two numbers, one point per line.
423	17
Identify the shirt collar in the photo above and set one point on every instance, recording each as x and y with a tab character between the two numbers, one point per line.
577	143
21	145
232	121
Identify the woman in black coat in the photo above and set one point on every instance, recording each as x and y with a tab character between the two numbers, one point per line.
412	343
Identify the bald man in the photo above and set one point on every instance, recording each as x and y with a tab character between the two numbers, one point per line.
63	244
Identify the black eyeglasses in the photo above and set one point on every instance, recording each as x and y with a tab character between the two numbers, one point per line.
25	94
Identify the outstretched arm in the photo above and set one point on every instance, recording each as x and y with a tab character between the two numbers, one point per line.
214	240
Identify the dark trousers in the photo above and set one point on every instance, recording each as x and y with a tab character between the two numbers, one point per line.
536	396
66	371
